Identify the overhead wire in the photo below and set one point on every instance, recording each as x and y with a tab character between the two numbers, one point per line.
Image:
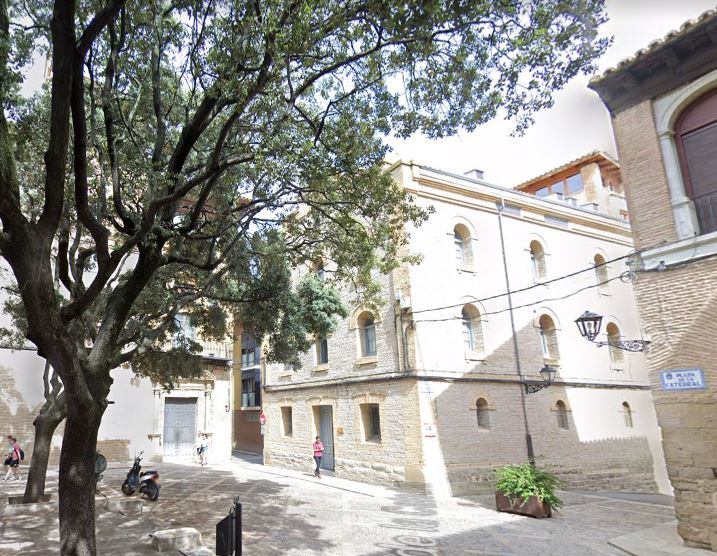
546	300
527	288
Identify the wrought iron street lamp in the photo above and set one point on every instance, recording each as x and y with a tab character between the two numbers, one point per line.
547	373
589	326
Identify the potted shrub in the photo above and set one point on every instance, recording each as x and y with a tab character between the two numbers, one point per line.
525	490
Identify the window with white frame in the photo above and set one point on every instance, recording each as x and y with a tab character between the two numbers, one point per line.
472	329
537	260
322	351
462	245
367	334
548	338
617	356
601	276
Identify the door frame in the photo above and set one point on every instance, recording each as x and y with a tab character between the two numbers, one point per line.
186	399
317	431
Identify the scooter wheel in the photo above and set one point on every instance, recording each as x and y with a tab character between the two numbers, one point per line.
150	492
127	489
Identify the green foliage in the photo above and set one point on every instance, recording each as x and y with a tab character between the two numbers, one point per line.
167	367
519	482
216	147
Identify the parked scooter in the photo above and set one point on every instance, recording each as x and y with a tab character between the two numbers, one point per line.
146	482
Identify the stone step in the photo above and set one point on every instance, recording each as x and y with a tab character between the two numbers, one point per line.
181	538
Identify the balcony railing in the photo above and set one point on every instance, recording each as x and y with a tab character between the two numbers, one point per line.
706	209
216	350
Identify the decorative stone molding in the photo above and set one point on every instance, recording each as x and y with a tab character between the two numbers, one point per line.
666	110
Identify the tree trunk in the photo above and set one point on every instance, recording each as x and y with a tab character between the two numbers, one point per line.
77	479
45	425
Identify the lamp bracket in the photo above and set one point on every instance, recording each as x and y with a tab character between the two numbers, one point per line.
533	388
627	345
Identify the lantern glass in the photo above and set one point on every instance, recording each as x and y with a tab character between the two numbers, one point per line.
589	325
548	373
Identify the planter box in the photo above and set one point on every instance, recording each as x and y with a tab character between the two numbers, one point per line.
531	507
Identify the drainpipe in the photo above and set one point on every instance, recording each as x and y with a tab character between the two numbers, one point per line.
528	437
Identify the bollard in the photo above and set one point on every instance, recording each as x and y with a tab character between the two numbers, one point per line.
229	534
237	527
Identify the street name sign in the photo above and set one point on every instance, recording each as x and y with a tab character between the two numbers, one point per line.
683	379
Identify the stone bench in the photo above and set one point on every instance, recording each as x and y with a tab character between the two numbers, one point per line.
181	538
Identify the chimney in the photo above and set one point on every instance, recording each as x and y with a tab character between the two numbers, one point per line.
475	174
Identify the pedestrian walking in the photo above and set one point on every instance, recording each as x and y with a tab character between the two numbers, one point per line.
13	458
204	450
318	454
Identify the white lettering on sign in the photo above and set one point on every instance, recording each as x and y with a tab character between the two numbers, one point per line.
683	379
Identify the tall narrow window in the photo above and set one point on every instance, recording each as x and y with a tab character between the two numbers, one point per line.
548	338
319	269
601	277
462	245
627	414
250	351
287	420
371	418
322	351
561	411
617	356
185	328
472	329
537	260
367	334
482	414
250	371
696	137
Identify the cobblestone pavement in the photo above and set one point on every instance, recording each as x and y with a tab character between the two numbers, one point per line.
289	512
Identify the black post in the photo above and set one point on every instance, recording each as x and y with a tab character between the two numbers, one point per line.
237	527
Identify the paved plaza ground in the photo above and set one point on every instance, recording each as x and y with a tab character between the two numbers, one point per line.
289	512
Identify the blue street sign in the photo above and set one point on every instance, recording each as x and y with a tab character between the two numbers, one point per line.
683	379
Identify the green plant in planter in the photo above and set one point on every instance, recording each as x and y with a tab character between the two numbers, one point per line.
520	482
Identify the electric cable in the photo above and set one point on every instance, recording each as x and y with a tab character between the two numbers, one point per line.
527	288
546	300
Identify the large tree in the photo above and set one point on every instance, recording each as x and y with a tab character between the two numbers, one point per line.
198	150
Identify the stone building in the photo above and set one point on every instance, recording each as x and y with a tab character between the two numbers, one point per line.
247	392
429	389
663	103
141	416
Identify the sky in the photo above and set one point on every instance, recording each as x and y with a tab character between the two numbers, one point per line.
578	122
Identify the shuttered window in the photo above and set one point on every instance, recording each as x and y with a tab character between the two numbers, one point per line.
696	132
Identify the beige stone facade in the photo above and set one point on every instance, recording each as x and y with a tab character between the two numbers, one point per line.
448	414
676	290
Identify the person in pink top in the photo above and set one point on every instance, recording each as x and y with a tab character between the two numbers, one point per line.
318	454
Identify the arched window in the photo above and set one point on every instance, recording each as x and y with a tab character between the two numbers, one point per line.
627	414
561	411
601	277
462	245
367	334
696	138
617	356
482	414
472	329
537	260
548	338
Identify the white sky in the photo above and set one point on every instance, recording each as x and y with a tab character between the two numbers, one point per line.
578	122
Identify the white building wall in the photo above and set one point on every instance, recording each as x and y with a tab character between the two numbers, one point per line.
571	239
